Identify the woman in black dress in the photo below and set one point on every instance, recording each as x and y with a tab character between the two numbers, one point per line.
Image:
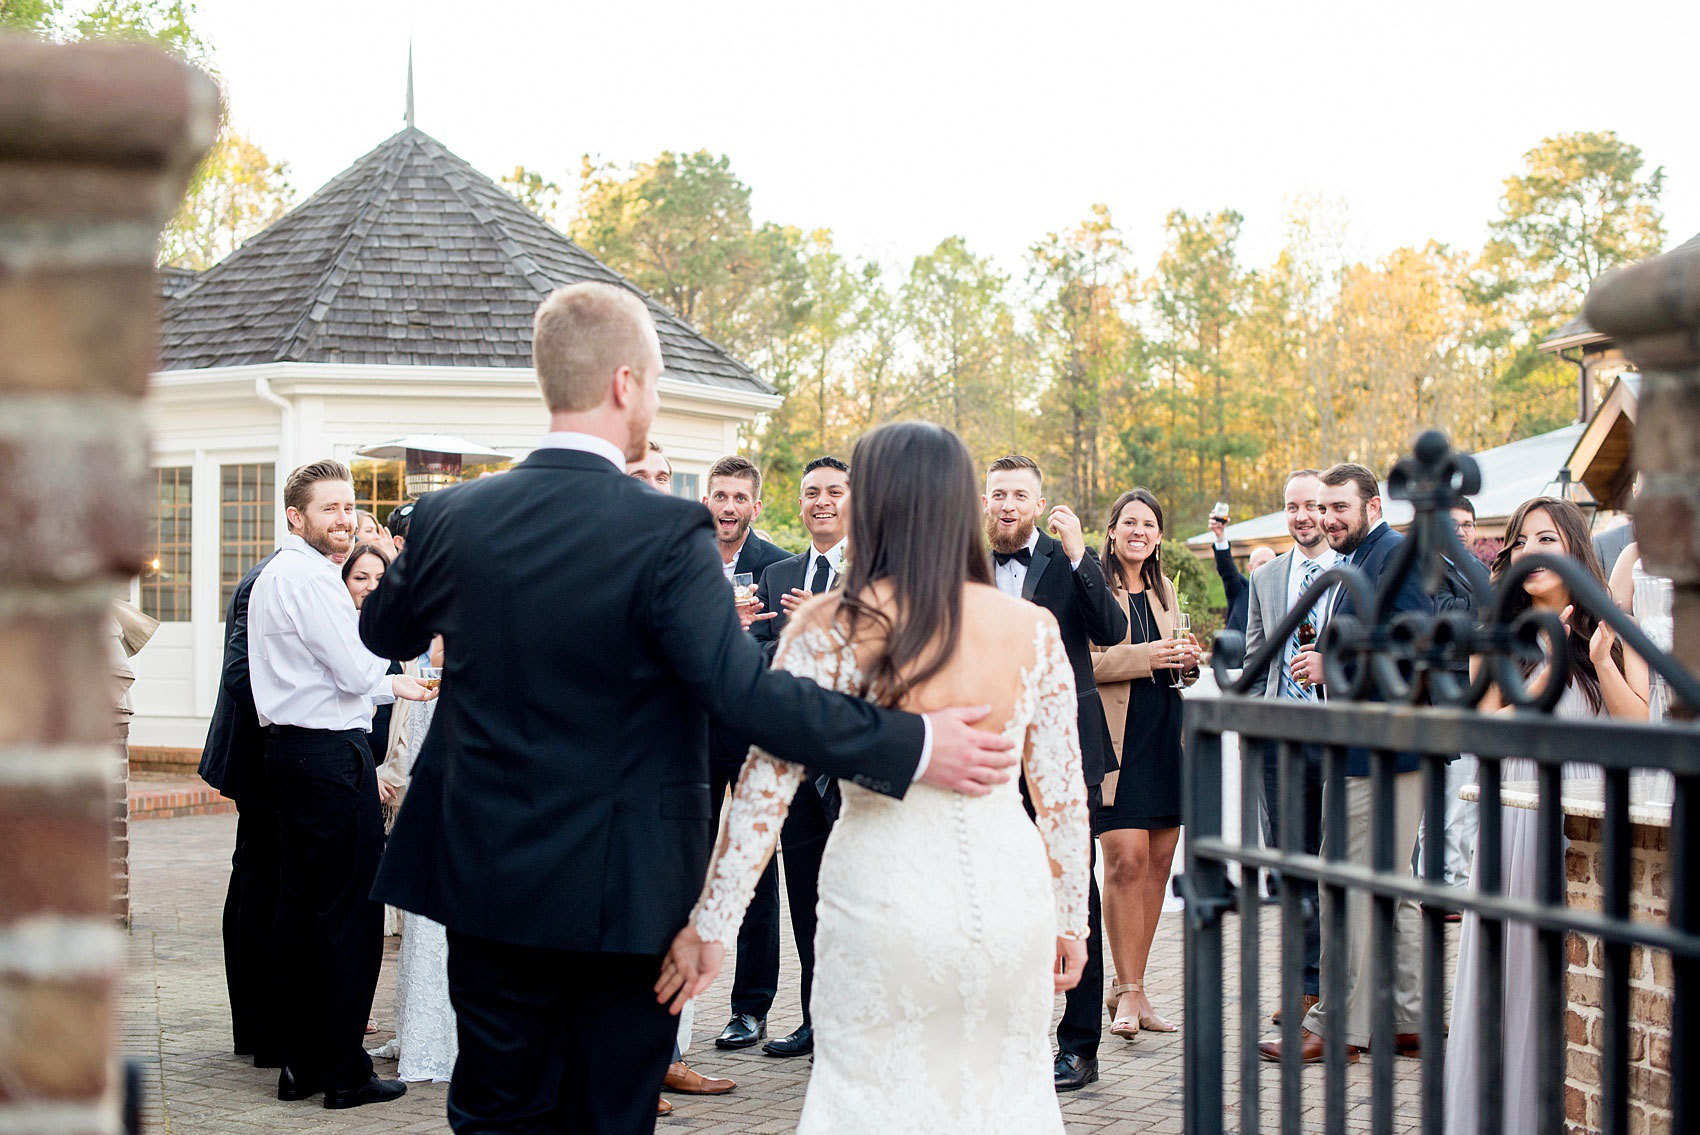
1139	683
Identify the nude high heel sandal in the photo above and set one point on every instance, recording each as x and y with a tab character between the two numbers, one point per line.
1151	1022
1125	1027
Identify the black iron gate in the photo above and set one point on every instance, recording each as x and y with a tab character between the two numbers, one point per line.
1393	688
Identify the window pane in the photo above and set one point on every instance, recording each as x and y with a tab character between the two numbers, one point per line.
245	524
165	578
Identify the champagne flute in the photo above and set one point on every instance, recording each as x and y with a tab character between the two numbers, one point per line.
1183	627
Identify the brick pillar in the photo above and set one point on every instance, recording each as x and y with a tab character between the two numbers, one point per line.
1653	310
96	146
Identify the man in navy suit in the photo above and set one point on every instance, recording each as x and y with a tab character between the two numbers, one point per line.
233	762
1351	511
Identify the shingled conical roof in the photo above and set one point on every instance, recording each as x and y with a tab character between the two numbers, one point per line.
412	257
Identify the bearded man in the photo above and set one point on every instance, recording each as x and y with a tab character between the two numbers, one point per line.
314	687
1063	577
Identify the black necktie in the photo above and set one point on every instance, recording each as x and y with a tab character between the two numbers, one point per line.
1022	556
823	576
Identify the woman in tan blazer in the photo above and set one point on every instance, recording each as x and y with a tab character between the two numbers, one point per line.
1139	684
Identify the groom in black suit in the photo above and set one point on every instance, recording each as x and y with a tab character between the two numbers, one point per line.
558	819
1065	578
233	762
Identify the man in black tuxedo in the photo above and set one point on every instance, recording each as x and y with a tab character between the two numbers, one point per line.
824	504
1351	511
558	819
733	499
1234	583
233	762
1063	577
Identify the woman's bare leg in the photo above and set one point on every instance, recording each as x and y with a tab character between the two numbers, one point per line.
1126	867
1160	855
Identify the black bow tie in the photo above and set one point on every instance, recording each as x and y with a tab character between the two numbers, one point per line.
1023	556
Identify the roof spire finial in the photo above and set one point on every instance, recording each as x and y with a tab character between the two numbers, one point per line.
410	83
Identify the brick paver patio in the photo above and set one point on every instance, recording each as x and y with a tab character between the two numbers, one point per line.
175	1022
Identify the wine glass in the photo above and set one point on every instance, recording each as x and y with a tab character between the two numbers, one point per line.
1183	627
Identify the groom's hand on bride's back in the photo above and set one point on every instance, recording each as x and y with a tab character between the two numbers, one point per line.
965	759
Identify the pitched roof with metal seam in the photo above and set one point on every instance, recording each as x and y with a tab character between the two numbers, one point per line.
411	257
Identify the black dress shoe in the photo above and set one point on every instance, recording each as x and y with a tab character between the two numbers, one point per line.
799	1043
373	1090
1071	1071
742	1031
292	1085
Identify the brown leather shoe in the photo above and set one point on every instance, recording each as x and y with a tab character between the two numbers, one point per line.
1404	1044
681	1077
1310	1049
662	1107
1305	1006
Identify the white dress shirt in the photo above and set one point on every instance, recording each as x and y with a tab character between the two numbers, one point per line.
1325	559
1011	576
585	443
834	564
306	662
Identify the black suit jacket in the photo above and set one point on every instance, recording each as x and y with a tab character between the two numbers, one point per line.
561	797
1086	613
728	747
1373	557
1234	587
233	760
777	581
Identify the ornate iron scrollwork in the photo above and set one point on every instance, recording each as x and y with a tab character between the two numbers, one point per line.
1412	657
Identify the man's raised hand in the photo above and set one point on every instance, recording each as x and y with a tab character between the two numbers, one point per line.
409	688
965	759
1066	526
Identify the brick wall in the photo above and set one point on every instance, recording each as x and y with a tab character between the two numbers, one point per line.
96	145
1650	983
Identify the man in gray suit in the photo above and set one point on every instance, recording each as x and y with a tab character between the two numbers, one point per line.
1275	587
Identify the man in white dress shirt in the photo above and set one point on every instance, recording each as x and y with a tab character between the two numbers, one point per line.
314	687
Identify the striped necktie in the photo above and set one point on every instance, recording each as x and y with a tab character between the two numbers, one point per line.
1290	687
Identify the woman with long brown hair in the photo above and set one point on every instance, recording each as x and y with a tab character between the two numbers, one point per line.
1605	681
948	923
1139	683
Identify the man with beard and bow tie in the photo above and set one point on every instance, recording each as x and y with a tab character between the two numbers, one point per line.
1061	576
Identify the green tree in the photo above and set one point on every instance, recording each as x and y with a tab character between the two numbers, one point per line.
1196	296
954	304
164	23
679	227
534	191
1582	205
1085	340
237	191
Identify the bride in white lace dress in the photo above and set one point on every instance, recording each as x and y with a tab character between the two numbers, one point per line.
948	923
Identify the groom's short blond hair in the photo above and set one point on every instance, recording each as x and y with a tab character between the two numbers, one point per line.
582	334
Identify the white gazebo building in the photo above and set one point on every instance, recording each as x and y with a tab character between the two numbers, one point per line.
397	300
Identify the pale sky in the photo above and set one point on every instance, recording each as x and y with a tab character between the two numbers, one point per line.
898	124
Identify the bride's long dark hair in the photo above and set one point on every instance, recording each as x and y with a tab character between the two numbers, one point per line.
915	522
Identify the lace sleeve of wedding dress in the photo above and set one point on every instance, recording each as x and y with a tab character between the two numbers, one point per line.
759	803
1054	781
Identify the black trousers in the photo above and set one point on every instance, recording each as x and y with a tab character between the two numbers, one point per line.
250	939
330	932
1310	827
555	1041
803	839
1082	1024
755	973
